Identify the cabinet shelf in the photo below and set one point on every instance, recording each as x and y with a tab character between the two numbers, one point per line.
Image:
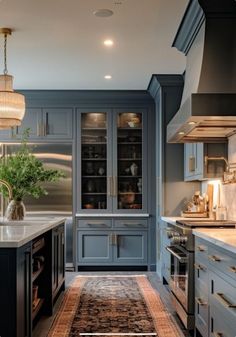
94	143
129	176
36	274
94	176
128	128
94	159
94	129
94	193
129	143
125	193
37	309
133	159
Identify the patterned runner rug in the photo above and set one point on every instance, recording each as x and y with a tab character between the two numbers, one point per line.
119	305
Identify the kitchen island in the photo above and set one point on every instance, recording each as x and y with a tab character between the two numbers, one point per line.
32	269
215	282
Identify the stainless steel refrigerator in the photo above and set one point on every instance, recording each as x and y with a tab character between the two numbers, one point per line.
58	202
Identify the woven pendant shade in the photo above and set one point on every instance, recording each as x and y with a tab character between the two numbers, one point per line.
12	104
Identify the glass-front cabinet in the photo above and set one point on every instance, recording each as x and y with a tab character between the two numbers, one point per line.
112	161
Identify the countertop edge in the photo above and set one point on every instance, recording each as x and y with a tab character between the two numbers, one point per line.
112	215
39	230
219	243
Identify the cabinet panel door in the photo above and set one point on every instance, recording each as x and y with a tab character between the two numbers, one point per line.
61	255
130	161
55	247
57	123
24	291
32	120
130	247
94	247
94	162
189	161
201	312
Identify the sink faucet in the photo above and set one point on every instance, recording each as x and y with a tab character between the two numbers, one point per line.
8	186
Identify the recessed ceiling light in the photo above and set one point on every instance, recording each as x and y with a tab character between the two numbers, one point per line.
108	77
191	123
181	133
108	43
103	13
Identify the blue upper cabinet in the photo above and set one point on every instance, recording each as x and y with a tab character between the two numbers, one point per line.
49	123
112	168
200	161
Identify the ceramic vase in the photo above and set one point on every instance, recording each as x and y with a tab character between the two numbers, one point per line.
15	210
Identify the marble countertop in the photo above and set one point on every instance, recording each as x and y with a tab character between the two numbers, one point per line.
15	234
172	219
224	238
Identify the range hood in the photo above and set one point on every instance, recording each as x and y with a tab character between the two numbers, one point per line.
207	36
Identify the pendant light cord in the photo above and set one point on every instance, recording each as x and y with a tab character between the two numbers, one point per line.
5	71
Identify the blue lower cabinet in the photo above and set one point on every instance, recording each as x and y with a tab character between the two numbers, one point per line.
111	247
130	247
94	247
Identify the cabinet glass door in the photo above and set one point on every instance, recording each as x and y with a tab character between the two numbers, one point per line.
129	183
94	151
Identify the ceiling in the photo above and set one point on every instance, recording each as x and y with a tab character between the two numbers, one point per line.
58	44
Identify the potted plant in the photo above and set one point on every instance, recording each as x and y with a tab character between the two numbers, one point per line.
24	173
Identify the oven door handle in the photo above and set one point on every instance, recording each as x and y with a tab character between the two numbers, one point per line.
180	258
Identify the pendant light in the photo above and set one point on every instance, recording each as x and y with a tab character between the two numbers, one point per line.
12	104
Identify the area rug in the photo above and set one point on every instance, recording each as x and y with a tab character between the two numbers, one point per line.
116	305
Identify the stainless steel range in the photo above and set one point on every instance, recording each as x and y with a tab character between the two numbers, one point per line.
181	251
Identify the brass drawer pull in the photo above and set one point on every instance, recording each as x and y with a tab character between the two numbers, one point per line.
198	266
200	301
233	269
200	249
224	301
214	258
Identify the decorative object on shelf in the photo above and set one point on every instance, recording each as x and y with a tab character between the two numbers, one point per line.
230	174
91	152
25	173
127	198
89	168
197	207
139	185
89	206
90	186
134	169
12	104
101	171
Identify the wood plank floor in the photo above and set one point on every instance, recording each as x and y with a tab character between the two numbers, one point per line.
44	324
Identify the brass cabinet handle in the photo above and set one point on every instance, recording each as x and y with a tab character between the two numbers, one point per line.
224	301
115	239
38	129
46	125
109	186
114	186
232	269
214	258
111	239
198	266
200	249
191	164
200	301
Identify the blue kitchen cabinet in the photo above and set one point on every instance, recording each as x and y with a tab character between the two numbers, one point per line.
46	123
94	247
196	164
130	247
113	165
112	242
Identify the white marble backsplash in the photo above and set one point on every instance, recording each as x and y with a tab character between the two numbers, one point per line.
228	192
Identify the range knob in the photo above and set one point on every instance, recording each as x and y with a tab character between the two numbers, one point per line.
170	233
179	240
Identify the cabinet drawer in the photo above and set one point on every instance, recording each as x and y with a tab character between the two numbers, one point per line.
221	326
201	312
137	223
222	262
223	296
201	249
92	223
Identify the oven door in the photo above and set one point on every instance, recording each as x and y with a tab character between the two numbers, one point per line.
181	278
